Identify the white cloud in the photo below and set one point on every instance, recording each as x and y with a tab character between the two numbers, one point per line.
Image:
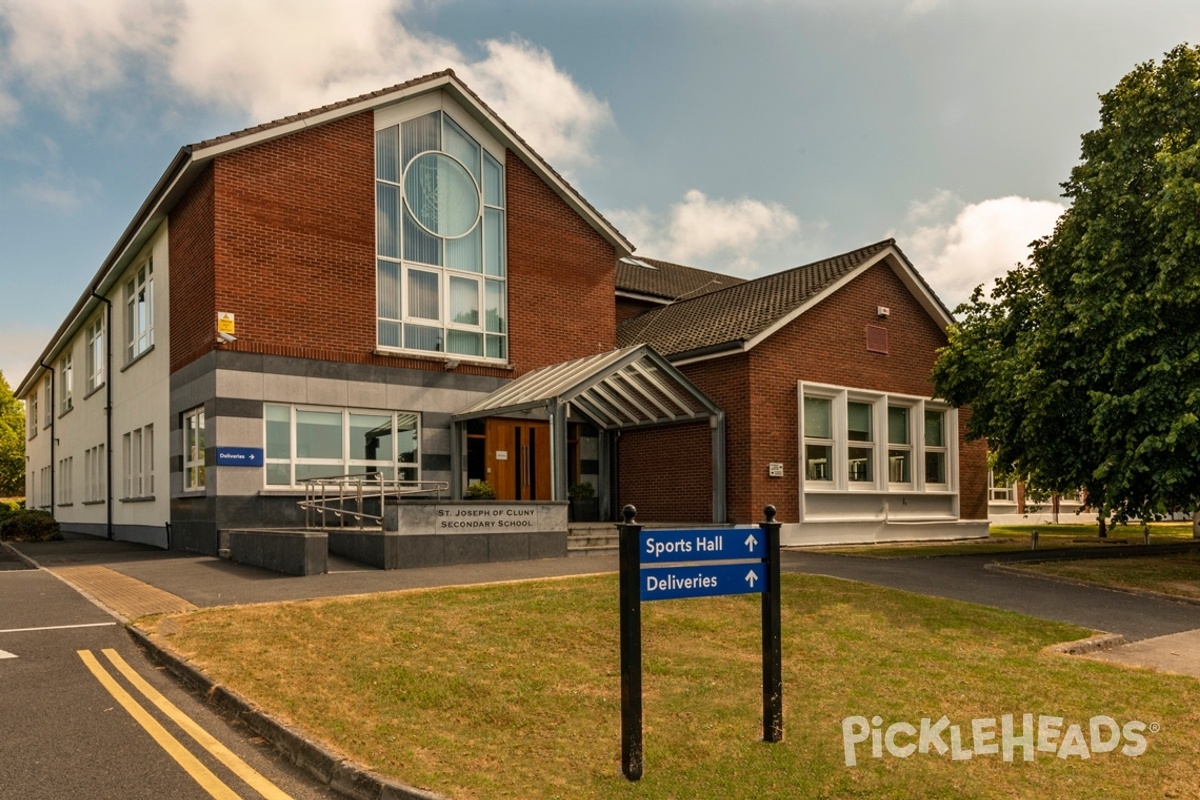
58	198
270	58
727	235
9	108
973	243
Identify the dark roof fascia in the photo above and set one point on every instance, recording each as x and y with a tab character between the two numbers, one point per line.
645	298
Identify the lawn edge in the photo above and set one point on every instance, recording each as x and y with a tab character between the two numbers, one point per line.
1026	573
347	778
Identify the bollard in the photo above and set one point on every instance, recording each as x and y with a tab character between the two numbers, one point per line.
1033	540
1145	533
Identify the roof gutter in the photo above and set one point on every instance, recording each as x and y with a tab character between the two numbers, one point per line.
708	352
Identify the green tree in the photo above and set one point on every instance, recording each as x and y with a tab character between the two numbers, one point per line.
1083	368
12	442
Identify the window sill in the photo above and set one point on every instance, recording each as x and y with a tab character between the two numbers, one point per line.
444	358
66	411
93	502
146	499
138	358
192	494
65	505
93	391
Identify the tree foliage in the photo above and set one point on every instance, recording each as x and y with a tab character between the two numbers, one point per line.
12	442
1083	368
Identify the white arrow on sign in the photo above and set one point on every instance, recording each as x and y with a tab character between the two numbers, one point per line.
6	654
750	542
751	578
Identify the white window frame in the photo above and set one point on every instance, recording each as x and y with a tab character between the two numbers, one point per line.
906	449
48	413
66	383
138	463
139	298
840	396
194	442
94	474
346	465
95	354
65	480
445	324
31	414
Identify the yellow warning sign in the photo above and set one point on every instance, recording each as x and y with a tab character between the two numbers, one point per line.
225	323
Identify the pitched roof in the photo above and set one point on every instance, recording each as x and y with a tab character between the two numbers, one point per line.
662	280
738	317
192	159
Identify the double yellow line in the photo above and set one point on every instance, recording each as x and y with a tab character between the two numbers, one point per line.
200	773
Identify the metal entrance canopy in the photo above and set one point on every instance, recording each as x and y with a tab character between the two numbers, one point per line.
623	389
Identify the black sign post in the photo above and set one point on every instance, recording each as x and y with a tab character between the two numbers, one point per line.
631	648
744	564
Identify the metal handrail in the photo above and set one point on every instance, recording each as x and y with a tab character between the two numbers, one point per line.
329	496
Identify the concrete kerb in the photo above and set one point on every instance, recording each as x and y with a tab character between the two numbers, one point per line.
1024	573
1092	644
343	776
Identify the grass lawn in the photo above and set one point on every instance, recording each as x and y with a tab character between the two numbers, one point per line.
513	691
1176	574
1011	538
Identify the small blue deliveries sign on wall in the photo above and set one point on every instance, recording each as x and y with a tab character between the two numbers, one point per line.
239	457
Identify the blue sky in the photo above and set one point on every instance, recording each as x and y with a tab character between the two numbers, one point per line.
745	137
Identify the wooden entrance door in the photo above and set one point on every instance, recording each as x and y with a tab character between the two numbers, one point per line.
518	459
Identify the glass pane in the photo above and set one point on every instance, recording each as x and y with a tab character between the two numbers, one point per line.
496	347
305	472
858	422
464	301
897	425
423	295
318	435
859	460
371	437
899	466
460	145
279	432
387	154
493	181
441	195
493	241
388	289
419	337
387	220
464	343
818	462
279	475
935	467
408	474
421	134
419	244
466	253
406	438
494	307
818	418
389	334
934	429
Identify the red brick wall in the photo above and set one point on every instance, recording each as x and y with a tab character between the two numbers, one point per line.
190	237
827	344
561	277
285	233
666	473
628	308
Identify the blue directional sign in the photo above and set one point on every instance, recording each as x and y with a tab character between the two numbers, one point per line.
703	544
670	583
239	457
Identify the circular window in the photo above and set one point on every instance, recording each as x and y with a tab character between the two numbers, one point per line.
441	195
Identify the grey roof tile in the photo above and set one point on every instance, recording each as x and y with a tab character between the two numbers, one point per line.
670	282
740	312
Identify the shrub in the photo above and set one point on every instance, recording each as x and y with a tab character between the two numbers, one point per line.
480	490
29	526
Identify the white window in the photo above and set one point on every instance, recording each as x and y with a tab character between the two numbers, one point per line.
95	355
139	312
306	442
440	240
843	443
1000	492
31	415
44	498
138	452
94	474
66	384
65	479
49	404
193	450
